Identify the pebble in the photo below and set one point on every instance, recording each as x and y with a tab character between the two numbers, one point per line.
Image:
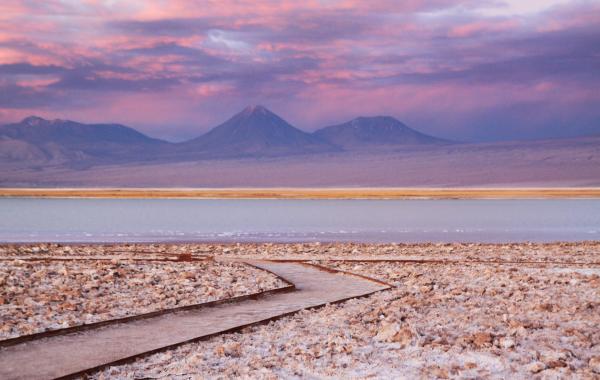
506	343
481	339
594	364
536	367
387	332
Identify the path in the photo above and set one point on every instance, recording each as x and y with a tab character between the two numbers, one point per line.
75	353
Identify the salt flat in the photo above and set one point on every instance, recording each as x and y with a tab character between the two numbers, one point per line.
457	310
42	295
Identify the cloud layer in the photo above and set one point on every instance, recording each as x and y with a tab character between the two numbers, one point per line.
464	69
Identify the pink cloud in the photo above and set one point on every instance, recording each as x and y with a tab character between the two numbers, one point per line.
478	27
113	59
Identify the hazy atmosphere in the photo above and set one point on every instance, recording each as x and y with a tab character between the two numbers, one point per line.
461	70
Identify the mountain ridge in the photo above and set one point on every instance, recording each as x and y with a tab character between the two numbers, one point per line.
36	152
254	132
368	131
60	141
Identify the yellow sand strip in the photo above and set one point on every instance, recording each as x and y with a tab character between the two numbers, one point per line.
305	193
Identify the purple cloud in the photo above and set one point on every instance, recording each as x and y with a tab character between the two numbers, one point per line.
460	69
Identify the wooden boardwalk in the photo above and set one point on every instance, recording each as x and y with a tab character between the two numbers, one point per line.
75	353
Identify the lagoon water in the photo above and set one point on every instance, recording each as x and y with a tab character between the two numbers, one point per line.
265	220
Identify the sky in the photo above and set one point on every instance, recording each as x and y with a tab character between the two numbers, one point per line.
473	70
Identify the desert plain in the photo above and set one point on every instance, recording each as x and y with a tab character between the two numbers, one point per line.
453	311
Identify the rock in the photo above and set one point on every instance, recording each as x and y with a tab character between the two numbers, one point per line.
188	275
546	307
425	289
481	339
536	367
556	364
439	373
594	364
404	336
233	349
220	351
387	332
506	343
555	359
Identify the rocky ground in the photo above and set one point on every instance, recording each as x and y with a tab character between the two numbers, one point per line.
563	252
534	315
36	296
459	320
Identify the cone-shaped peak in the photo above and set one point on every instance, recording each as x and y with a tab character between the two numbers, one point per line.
259	117
256	109
257	131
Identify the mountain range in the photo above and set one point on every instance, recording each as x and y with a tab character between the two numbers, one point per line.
253	132
256	131
257	148
364	132
59	141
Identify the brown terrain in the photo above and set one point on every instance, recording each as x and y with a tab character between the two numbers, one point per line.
455	311
306	193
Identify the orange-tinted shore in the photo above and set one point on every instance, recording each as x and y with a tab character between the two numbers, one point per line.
305	193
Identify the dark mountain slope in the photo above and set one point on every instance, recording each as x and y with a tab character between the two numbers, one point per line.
64	140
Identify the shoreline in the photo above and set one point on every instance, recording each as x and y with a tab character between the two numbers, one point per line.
305	193
259	243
